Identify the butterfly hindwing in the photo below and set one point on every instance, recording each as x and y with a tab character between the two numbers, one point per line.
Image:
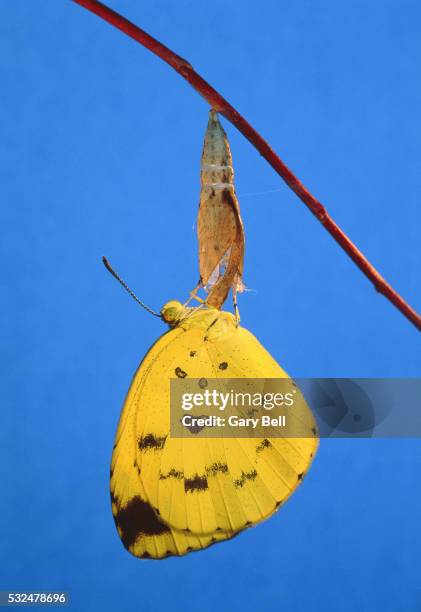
206	485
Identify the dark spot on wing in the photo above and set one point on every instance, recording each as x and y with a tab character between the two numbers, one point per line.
215	468
300	476
240	482
265	443
193	353
180	373
195	429
203	383
173	473
223	365
146	555
314	430
252	411
197	483
151	442
278	503
137	518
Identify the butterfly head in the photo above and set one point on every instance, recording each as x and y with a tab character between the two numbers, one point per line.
172	312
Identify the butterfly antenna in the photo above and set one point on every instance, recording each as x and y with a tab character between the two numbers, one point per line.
127	288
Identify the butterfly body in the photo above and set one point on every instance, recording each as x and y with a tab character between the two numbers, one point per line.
174	495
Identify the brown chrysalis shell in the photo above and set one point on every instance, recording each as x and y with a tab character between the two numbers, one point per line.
219	227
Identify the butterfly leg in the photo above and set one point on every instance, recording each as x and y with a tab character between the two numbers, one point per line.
194	296
191	311
236	311
208	328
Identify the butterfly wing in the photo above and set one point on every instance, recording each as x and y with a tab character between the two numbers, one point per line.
141	530
207	485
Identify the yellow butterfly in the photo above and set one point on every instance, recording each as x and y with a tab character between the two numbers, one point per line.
174	495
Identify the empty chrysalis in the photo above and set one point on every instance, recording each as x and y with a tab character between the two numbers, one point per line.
219	225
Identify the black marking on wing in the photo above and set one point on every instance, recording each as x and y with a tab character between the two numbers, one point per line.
173	473
265	443
300	476
245	476
252	411
223	365
195	429
196	484
215	468
203	383
193	353
138	518
180	373
151	442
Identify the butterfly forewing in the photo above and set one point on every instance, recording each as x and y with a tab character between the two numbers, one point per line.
141	529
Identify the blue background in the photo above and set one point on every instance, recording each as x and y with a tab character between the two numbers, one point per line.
99	154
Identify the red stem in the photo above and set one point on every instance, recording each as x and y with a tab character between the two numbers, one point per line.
221	105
